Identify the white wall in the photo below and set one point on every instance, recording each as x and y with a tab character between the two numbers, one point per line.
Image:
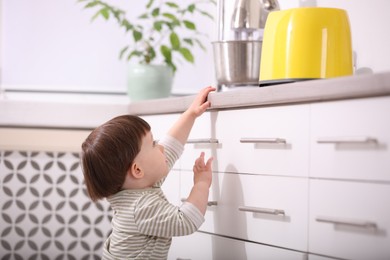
50	44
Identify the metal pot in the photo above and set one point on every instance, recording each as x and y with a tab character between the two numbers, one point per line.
237	63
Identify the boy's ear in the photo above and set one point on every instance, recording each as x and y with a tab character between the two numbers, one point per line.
136	171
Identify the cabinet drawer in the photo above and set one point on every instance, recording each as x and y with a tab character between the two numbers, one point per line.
265	209
317	257
268	140
171	186
351	139
201	139
201	246
349	219
192	247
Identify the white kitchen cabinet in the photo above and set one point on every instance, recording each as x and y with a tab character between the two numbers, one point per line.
171	187
202	246
304	181
194	246
318	257
265	209
266	140
349	219
350	139
160	125
201	139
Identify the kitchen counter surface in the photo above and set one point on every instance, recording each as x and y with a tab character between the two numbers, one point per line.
16	113
305	91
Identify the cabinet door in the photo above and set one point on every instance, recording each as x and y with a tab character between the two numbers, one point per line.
349	219
265	209
202	246
194	246
171	187
160	125
267	140
317	257
201	139
351	139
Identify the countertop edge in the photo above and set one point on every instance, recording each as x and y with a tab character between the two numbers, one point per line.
32	114
358	86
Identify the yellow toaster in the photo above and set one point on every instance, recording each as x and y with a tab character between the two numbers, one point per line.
306	43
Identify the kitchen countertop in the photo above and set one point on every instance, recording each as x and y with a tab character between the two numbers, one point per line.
306	91
80	115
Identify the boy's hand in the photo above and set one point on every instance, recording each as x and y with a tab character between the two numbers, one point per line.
182	128
202	171
200	103
202	182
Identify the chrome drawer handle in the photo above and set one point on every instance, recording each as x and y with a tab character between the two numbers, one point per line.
209	203
263	140
355	223
212	203
347	140
203	141
262	210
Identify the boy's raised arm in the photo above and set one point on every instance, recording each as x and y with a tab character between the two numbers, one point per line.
182	127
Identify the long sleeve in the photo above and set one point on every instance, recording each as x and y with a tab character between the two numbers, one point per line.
173	149
157	217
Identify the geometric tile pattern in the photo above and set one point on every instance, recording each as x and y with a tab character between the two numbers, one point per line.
44	210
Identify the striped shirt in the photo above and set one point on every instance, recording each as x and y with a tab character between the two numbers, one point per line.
144	222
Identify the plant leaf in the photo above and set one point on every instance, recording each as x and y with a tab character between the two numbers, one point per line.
158	25
170	16
122	52
137	35
172	66
191	8
125	23
167	53
200	45
189	25
186	53
175	41
189	41
143	16
155	12
149	4
134	53
206	14
90	4
105	12
171	4
102	12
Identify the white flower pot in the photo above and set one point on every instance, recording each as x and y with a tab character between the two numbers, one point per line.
149	81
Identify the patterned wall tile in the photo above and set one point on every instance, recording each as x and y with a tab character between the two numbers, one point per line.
44	210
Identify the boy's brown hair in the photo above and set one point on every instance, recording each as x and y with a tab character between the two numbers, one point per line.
108	152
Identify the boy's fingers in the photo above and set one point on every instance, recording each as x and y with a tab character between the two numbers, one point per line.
209	161
205	105
204	93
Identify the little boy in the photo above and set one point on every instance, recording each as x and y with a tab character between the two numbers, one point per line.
122	162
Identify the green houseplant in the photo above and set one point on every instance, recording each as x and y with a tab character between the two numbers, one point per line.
159	38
